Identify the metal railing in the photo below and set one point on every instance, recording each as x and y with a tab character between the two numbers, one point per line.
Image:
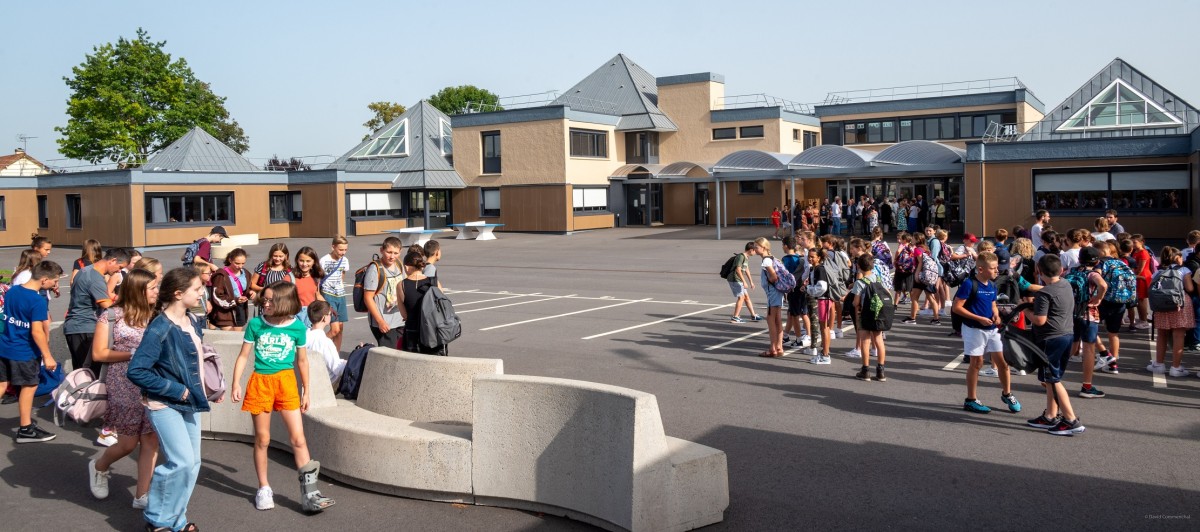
541	99
954	88
1028	131
750	101
69	166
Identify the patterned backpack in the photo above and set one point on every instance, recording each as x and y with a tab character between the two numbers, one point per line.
1122	283
882	252
904	260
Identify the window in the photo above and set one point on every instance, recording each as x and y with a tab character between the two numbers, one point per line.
750	187
889	131
589	143
489	202
1130	190
3	218
1119	105
391	143
752	132
74	211
947	127
590	199
205	208
724	133
285	207
853	134
376	204
832	133
43	213
447	143
906	130
438	203
491	152
810	139
796	135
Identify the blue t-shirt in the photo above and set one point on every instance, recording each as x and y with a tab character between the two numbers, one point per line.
980	305
792	263
22	308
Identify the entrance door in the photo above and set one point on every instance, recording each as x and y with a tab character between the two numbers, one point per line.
656	209
636	204
702	204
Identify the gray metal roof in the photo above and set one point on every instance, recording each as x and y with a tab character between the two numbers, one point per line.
648	121
652	169
686	168
620	87
831	156
753	160
197	151
920	152
423	167
1117	69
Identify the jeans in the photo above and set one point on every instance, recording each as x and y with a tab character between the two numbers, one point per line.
837	226
175	478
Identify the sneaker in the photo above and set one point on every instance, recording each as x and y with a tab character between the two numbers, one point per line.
8	399
1067	428
1141	325
98	481
879	376
1091	393
813	352
315	502
837	332
264	499
805	339
824	361
816	359
140	503
1014	405
1192	347
935	321
107	438
1157	368
1103	361
989	371
1111	368
1015	371
1043	422
864	374
925	312
33	434
736	319
908	320
973	405
756	318
792	344
786	338
1179	372
854	353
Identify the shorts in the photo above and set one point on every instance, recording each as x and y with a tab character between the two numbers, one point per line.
1085	330
737	288
338	305
277	391
977	342
302	317
1058	352
797	301
902	283
20	372
1112	314
824	309
774	297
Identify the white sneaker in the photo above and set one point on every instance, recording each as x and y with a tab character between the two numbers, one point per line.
1179	372
107	438
816	358
140	503
837	333
1015	371
1141	325
989	371
854	353
806	339
264	499
1157	369
824	360
1102	361
98	481
812	351
925	312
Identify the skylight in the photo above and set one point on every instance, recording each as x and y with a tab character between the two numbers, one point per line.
1120	106
391	143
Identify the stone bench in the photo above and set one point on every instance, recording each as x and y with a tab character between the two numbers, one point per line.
230	243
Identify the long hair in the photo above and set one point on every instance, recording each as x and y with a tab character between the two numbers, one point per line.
316	272
29	259
148	264
282	248
92	252
138	310
176	280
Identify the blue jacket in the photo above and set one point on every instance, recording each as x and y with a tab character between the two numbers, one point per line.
166	363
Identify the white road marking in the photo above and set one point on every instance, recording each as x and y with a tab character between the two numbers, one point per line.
736	340
562	315
594	298
514	304
1160	380
494	299
452	291
953	365
656	322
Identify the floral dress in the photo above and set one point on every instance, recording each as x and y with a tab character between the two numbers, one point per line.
125	414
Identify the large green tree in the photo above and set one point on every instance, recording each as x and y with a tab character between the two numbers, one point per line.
454	100
130	99
383	112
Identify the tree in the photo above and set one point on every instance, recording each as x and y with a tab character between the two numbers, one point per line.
130	99
384	112
278	165
454	100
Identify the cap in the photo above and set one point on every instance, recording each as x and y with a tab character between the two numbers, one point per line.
970	238
218	230
1089	255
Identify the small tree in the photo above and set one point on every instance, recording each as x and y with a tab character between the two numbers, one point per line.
384	112
454	100
280	165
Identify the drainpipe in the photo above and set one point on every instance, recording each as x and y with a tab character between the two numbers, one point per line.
719	210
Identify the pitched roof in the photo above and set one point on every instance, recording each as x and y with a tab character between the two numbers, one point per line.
197	151
422	165
10	159
620	88
1118	69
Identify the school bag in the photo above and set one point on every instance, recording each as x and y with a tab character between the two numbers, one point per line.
1122	283
882	252
353	373
928	275
727	268
837	274
189	254
1078	279
358	295
878	307
214	376
904	260
82	397
957	271
1166	290
1021	351
439	324
784	280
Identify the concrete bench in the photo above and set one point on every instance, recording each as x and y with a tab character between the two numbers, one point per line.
415	235
231	242
482	230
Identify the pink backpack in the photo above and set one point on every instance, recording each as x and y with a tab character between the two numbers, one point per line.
81	397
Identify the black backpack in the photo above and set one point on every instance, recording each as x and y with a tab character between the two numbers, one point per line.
878	308
352	375
727	268
358	295
1021	351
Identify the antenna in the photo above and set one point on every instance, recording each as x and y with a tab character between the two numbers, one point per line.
24	140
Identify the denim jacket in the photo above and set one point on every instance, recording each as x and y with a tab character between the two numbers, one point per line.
166	363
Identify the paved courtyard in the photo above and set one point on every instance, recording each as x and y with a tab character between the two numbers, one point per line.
809	447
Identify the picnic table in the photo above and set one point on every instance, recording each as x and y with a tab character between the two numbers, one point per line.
415	235
483	230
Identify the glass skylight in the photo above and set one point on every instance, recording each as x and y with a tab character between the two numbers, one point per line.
392	143
1118	106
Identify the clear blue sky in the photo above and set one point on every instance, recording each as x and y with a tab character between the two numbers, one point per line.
298	75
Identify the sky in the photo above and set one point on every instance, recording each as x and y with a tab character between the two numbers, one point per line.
298	75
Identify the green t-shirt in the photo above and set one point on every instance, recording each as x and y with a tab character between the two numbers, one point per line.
275	345
738	264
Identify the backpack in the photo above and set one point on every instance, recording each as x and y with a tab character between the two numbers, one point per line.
439	324
214	376
82	397
943	253
189	254
957	271
878	308
882	252
352	374
1122	283
837	273
359	294
1078	281
904	260
1166	290
727	268
1021	351
784	280
928	275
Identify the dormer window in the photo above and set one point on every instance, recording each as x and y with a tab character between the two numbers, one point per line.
1120	106
392	143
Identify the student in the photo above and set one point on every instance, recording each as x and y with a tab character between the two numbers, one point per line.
320	314
204	306
776	221
333	287
837	268
740	283
835	214
1142	268
1087	320
975	302
774	300
41	244
166	367
1053	307
204	247
89	296
1110	312
1003	251
115	280
412	289
433	255
25	344
125	414
276	268
797	306
277	340
384	311
1173	325
1101	232
90	253
24	271
905	267
308	274
868	340
231	293
820	306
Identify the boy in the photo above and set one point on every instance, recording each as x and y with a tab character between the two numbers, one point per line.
333	287
319	316
867	339
204	305
1053	307
740	283
379	293
975	303
433	254
204	249
26	337
89	297
1087	320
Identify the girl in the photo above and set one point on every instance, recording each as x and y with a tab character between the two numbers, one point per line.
902	283
91	253
1142	269
793	260
277	340
24	271
1175	323
125	325
308	276
409	293
204	305
774	300
820	305
231	293
839	263
902	216
41	244
920	251
166	367
276	268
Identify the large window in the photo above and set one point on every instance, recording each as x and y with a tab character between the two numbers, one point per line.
3	216
1119	105
751	132
489	202
205	208
589	143
1152	190
491	152
74	211
590	199
811	139
286	207
724	133
376	204
750	187
392	143
43	213
447	138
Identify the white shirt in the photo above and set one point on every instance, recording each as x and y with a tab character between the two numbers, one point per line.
1104	236
1070	259
319	343
835	210
22	278
1035	234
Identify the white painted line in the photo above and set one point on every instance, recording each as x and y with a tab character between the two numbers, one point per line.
449	291
362	317
494	299
736	340
1160	380
953	365
561	315
594	298
514	304
656	322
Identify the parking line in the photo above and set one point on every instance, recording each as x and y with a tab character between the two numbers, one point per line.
656	322
562	315
953	365
1160	380
514	304
736	340
495	299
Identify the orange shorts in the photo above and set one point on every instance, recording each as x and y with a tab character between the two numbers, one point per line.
265	393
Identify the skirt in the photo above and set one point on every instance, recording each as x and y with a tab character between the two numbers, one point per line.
1176	319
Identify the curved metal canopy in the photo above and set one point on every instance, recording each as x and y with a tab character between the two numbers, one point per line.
624	171
753	160
831	156
920	152
686	169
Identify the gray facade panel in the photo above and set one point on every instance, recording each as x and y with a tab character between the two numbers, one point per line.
532	114
1113	148
917	104
690	78
762	113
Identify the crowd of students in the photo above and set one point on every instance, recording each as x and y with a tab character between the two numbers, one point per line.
1075	281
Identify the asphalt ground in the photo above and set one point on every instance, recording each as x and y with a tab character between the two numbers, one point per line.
809	447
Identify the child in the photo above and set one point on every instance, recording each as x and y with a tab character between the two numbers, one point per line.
794	262
1174	324
774	300
1053	307
26	338
308	276
1087	320
1143	269
379	292
333	287
277	340
433	254
867	339
820	305
740	284
320	315
204	305
975	304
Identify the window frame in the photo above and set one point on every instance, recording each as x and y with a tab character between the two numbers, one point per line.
216	196
446	137
588	209
43	205
399	131
493	165
74	213
812	139
595	140
1109	194
732	131
292	200
3	214
762	132
756	188
391	213
484	212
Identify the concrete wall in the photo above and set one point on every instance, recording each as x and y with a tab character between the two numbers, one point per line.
426	388
20	218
